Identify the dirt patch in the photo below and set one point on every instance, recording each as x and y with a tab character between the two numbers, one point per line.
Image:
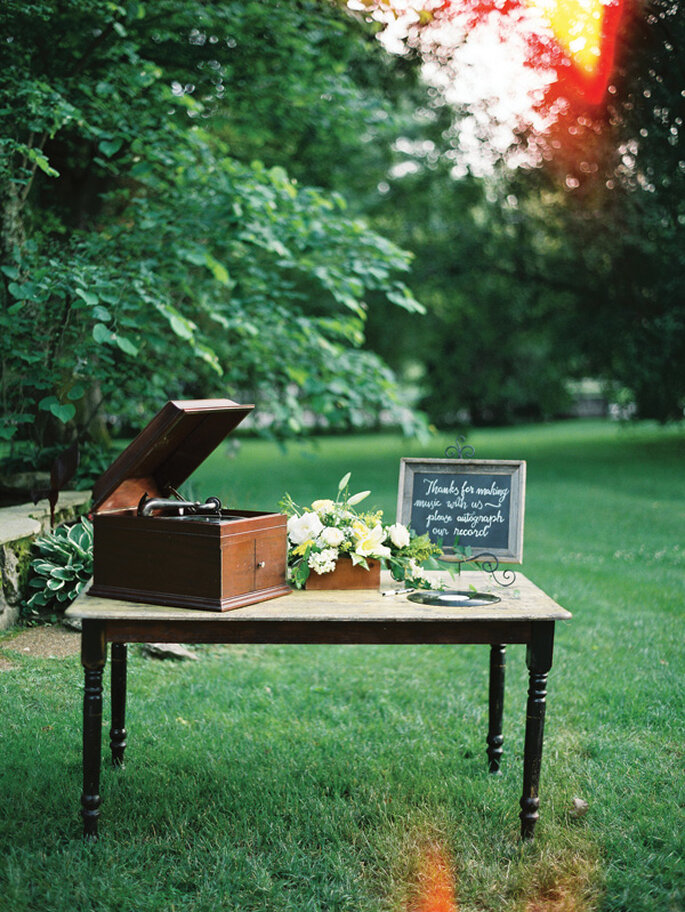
41	642
573	888
558	899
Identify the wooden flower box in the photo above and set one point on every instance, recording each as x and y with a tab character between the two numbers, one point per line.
346	576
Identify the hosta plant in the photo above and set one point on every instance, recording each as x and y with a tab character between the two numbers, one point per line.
64	566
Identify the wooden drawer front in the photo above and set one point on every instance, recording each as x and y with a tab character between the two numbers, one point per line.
238	567
270	553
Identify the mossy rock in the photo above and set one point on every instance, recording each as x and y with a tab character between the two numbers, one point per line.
15	563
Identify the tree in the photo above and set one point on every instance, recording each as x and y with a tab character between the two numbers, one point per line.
573	248
141	258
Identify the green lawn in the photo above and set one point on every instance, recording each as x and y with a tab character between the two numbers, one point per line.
320	778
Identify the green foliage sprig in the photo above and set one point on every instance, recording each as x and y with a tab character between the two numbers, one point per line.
64	567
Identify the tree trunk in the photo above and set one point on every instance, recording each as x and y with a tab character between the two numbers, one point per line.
12	233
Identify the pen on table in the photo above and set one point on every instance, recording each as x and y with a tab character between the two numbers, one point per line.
399	591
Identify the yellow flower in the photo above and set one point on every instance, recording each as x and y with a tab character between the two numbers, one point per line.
370	544
323	506
360	529
303	547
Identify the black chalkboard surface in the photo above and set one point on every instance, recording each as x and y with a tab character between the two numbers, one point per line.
470	503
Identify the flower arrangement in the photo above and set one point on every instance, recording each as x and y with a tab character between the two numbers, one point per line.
330	530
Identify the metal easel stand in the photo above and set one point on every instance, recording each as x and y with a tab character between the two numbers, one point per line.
485	561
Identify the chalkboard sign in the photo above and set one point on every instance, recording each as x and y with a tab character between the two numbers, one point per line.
468	503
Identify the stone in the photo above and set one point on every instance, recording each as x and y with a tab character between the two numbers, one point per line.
167	651
579	807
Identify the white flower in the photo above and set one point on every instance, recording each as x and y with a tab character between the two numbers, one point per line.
323	506
416	571
399	535
323	561
369	541
332	536
302	528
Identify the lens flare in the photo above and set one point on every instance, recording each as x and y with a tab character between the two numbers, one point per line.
575	38
585	31
435	887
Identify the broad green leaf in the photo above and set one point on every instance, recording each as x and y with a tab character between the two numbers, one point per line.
102	334
125	345
182	327
25	292
46	404
76	392
63	412
196	257
89	297
110	147
101	313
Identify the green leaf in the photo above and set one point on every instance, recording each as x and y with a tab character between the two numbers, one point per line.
101	313
41	161
76	392
110	147
89	297
125	345
46	404
181	326
25	292
218	270
196	257
63	412
102	334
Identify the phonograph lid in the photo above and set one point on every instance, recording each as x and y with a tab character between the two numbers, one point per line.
166	452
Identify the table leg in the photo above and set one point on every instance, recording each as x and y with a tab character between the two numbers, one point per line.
117	733
539	662
93	657
496	706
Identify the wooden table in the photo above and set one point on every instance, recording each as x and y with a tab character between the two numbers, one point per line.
524	615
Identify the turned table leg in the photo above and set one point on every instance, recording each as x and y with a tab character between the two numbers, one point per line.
93	657
117	733
539	662
496	706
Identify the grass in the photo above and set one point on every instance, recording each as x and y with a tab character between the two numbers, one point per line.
323	778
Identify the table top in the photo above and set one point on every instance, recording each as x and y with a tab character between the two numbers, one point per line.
523	601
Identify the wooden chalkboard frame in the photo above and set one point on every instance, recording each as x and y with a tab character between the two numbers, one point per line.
515	469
